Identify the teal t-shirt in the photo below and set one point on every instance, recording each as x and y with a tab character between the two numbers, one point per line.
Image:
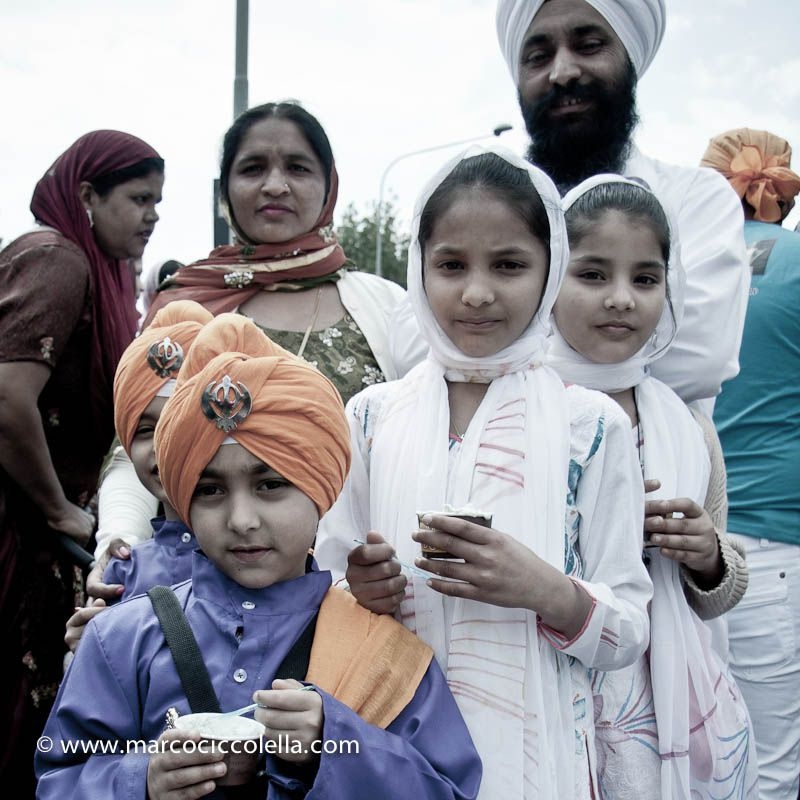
758	412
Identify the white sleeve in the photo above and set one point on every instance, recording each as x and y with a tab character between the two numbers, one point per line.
610	500
711	230
125	507
349	517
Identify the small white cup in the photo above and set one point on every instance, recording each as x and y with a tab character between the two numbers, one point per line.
238	737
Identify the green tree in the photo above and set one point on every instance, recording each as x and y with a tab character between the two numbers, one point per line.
357	235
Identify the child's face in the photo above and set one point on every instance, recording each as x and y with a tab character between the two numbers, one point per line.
250	521
143	454
614	290
484	273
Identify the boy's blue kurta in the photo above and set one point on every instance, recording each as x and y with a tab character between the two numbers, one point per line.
164	560
122	681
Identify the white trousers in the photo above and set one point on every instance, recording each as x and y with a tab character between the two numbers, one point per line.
764	637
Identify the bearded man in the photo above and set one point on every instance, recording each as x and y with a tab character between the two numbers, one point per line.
576	64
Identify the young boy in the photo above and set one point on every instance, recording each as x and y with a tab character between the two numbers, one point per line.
252	449
145	378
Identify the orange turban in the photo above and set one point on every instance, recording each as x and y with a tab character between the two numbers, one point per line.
278	407
151	360
229	333
756	164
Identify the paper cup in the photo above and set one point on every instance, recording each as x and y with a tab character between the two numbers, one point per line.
428	551
238	737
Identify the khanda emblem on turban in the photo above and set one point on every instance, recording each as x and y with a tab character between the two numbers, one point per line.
165	357
226	403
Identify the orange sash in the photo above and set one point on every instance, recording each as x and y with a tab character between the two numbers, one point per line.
367	661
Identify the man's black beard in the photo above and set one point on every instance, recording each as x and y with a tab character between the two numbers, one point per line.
571	150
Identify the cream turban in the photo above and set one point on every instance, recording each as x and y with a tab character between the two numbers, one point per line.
278	407
756	164
151	361
639	24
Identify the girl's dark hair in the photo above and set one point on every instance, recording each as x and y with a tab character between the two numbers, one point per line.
103	184
630	200
494	174
288	110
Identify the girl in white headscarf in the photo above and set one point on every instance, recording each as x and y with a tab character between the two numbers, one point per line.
556	585
674	724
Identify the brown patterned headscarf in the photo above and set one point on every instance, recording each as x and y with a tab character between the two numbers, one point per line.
232	274
756	164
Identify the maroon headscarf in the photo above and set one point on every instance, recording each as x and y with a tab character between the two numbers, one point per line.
56	203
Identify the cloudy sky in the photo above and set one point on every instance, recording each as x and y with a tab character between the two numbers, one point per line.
385	79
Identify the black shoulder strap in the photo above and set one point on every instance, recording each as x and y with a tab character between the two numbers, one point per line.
185	651
295	665
189	661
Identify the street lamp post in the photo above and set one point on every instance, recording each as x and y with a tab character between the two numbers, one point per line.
240	78
500	129
222	234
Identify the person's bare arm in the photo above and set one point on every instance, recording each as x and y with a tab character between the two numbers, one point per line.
23	449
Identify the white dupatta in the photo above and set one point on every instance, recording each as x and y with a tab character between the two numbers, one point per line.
704	736
704	733
511	685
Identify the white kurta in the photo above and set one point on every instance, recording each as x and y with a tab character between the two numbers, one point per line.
711	231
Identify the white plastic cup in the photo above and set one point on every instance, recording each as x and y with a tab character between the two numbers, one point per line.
238	737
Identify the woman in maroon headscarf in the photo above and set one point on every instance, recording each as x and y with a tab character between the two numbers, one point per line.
67	312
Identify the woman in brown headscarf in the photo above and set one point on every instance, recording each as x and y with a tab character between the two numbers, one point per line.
66	314
286	269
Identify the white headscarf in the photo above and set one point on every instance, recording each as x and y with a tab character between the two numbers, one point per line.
529	346
700	717
519	711
576	368
639	24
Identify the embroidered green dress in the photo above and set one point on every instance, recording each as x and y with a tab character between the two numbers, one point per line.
340	352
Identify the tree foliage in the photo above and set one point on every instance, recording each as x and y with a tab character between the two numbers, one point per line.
357	235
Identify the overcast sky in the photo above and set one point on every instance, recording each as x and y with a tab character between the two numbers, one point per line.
385	77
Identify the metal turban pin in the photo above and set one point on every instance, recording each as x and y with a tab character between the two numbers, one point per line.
165	357
226	403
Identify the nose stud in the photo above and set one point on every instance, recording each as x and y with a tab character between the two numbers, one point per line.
286	188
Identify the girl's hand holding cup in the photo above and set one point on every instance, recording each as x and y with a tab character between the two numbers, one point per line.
689	538
483	564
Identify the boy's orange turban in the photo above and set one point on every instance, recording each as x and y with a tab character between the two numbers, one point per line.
278	407
230	333
756	164
151	361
